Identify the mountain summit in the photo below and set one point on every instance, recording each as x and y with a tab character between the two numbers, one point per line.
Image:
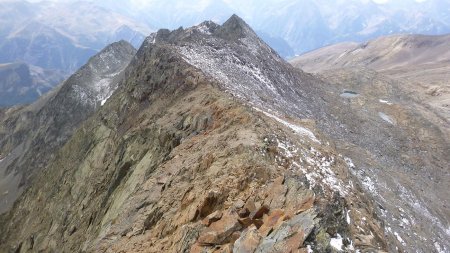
212	142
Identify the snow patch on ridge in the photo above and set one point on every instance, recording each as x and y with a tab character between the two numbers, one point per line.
297	129
203	28
97	91
317	168
205	58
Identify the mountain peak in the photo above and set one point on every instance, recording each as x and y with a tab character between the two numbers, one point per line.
235	19
235	28
93	83
120	45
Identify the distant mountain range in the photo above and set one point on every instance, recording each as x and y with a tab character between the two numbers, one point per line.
21	83
60	36
303	24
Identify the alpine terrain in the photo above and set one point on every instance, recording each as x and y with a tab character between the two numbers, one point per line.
206	140
42	43
404	81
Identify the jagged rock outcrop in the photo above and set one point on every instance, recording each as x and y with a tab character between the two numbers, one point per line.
31	135
211	143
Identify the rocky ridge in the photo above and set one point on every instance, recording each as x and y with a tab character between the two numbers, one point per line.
213	143
134	174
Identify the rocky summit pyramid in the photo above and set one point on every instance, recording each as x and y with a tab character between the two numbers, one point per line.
213	143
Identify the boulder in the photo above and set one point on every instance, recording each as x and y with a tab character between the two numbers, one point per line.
220	232
248	241
213	217
272	220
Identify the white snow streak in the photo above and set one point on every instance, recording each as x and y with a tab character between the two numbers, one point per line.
385	102
399	239
297	129
337	242
386	118
369	185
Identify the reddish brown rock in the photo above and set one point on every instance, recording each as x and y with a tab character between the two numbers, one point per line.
209	203
213	217
249	241
235	236
258	213
277	193
220	232
196	248
270	221
246	222
306	205
227	248
294	242
250	205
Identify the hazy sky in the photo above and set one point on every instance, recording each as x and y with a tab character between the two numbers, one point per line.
385	1
144	1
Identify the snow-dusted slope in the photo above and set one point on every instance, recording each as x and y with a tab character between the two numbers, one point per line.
45	125
99	74
242	64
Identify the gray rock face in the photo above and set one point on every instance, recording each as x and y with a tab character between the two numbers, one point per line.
45	125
